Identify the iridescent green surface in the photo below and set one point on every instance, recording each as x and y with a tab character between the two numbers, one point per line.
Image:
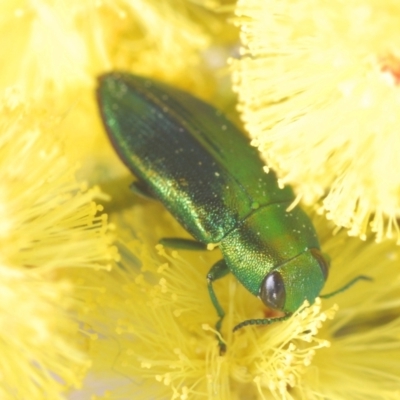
202	168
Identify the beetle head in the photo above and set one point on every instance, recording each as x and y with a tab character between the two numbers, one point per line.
286	287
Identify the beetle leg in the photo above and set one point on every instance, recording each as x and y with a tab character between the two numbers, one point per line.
141	189
262	321
217	271
183	244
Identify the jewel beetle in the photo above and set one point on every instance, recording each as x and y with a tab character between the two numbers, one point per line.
187	154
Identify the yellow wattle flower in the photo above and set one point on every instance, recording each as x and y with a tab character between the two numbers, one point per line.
155	324
39	342
62	47
49	226
145	328
54	51
319	92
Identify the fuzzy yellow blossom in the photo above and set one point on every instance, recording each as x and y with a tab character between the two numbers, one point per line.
60	47
38	340
53	51
154	325
319	90
49	224
145	328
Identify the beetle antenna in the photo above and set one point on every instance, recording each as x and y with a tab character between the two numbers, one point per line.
347	285
263	321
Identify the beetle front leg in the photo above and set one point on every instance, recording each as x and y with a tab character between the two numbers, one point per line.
217	271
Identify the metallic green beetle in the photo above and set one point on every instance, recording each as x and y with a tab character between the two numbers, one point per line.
201	167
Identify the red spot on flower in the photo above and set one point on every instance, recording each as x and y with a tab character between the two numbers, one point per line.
390	66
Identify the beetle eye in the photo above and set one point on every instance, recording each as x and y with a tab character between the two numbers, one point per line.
273	292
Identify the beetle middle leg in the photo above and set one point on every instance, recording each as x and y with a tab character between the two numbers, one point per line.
183	244
142	190
217	271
